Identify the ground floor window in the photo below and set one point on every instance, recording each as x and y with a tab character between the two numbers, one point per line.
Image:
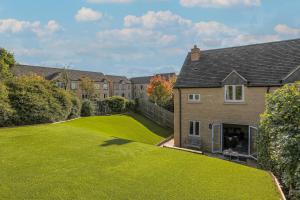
194	128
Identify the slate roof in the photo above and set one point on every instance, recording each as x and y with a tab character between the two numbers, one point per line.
146	79
264	64
50	73
118	79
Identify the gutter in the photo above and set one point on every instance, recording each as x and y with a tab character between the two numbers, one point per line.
180	118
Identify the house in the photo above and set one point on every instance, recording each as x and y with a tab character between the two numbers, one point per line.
120	86
101	82
220	94
140	84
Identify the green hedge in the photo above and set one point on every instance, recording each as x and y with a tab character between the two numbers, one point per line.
87	109
114	104
279	138
76	107
37	100
6	112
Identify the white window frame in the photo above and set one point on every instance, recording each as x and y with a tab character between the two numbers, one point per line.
105	86
73	85
194	128
233	100
194	98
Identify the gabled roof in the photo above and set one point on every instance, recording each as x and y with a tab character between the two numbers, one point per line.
118	79
264	64
50	73
146	79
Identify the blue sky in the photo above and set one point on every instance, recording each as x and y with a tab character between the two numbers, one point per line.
137	37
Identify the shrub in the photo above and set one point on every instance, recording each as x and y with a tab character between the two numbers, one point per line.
76	107
37	100
6	111
130	105
87	109
64	100
279	138
116	104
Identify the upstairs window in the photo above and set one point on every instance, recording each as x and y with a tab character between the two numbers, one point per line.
105	86
234	93
73	85
194	128
194	97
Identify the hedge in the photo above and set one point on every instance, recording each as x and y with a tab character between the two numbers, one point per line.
6	111
37	100
87	109
279	138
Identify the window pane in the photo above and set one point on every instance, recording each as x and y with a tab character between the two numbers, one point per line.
197	128
229	92
191	128
197	97
239	92
191	97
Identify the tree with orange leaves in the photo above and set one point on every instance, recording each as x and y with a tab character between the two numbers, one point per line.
160	90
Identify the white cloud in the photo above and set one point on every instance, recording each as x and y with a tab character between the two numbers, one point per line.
156	19
219	3
109	1
50	28
286	30
87	14
131	36
16	26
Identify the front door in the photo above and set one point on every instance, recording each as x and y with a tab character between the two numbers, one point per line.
217	142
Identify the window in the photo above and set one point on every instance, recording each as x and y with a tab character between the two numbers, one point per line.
104	96
194	97
142	87
194	128
73	85
234	93
123	95
105	86
60	84
97	86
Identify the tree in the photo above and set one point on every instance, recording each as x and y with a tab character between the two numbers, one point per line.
65	77
87	87
160	90
7	60
279	137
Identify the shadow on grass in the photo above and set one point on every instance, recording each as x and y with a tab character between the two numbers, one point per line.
115	141
152	126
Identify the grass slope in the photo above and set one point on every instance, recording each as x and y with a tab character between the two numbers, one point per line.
88	159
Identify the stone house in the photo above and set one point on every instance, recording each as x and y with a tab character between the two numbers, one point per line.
220	94
120	86
101	82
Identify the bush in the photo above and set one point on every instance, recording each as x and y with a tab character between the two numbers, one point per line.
37	100
6	111
76	107
279	138
87	109
64	99
116	104
130	105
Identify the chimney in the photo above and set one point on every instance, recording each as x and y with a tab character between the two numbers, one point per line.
195	53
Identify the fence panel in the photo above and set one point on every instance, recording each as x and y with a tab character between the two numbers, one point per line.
156	113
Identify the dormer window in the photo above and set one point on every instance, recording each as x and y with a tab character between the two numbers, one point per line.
234	93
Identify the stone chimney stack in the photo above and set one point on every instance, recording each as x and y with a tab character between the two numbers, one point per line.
195	53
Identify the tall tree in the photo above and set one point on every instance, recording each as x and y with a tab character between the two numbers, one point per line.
65	77
87	87
7	60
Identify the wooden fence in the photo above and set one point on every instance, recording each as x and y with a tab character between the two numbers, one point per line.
156	113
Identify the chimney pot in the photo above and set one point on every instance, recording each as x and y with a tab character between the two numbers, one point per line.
195	53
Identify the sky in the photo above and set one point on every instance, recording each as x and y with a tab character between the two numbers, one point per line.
137	37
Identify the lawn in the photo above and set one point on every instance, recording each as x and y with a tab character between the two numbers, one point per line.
114	157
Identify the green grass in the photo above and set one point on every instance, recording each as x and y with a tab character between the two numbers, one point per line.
113	157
